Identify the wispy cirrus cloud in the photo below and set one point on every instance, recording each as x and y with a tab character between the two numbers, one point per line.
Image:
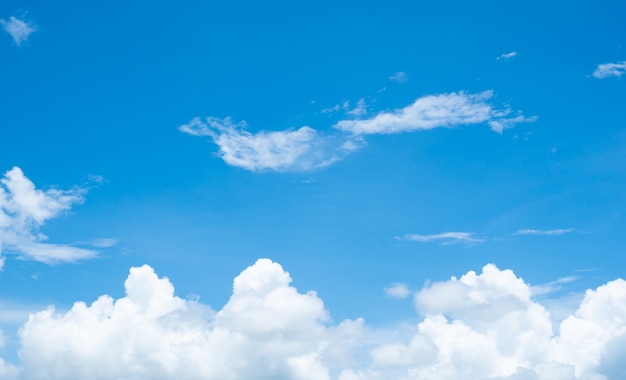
559	231
437	111
306	148
24	209
605	70
19	30
444	237
507	56
359	109
552	286
399	77
288	150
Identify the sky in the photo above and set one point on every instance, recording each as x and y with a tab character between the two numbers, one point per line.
323	190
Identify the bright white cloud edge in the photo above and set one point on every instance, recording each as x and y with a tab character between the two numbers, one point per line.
19	30
24	209
480	326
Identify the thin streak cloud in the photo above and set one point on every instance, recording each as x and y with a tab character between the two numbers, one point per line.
561	231
444	237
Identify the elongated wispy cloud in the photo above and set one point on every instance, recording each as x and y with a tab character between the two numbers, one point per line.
306	148
484	325
297	150
444	237
552	286
605	70
507	56
24	209
560	231
436	111
19	30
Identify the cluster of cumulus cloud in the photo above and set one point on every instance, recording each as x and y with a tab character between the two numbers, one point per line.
480	326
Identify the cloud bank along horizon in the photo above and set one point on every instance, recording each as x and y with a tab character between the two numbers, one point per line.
482	325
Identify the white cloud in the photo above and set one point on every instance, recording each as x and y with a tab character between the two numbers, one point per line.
359	110
552	286
445	237
499	125
306	149
399	77
397	290
436	111
18	29
289	150
337	107
507	56
103	242
266	330
24	209
561	231
605	70
486	326
479	326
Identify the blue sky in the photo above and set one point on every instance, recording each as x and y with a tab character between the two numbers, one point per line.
362	146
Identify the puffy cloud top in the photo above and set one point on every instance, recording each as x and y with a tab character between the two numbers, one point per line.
479	326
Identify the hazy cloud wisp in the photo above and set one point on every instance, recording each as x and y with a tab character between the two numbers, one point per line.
529	231
507	56
605	70
19	30
288	150
399	77
444	237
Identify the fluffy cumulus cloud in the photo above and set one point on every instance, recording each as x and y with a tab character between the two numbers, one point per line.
605	70
19	30
267	330
479	326
306	148
24	209
293	150
436	111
